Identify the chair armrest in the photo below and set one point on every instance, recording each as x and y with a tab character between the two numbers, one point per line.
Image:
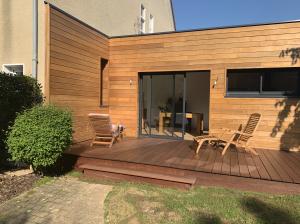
227	129
115	127
242	133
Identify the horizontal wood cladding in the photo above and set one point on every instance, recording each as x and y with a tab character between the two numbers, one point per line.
75	53
215	50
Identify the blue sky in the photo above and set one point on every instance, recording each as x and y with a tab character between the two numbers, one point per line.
193	14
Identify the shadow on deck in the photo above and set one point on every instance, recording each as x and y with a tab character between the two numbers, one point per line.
271	171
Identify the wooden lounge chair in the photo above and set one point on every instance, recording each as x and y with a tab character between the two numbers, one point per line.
105	132
237	138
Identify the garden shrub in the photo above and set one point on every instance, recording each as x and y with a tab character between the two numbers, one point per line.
17	93
40	135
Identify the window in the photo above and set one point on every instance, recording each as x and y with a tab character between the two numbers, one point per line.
103	83
151	24
263	82
243	81
14	69
274	82
143	20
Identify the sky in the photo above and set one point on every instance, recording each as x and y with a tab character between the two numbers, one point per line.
194	14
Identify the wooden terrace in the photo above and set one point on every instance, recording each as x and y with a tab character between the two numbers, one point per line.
147	158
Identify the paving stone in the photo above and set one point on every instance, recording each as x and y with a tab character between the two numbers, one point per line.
64	200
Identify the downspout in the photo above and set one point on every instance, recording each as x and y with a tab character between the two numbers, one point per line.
34	38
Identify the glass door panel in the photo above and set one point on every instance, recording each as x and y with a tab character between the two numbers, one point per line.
179	107
145	105
162	105
162	111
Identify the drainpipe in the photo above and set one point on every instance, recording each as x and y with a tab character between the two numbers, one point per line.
34	38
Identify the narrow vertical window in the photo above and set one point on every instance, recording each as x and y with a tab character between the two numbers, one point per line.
143	20
151	24
103	83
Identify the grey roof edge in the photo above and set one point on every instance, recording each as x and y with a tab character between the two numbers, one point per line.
173	14
209	28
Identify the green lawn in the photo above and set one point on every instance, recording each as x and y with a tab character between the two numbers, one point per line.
134	203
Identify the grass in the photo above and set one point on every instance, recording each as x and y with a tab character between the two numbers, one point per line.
136	203
74	173
43	180
48	179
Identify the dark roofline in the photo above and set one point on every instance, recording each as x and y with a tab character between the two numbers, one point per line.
173	14
76	19
169	32
208	28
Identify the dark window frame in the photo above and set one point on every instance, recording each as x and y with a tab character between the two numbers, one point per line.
103	65
261	94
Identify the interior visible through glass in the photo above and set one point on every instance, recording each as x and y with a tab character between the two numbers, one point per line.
174	104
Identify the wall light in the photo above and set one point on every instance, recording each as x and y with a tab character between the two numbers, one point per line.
215	82
130	82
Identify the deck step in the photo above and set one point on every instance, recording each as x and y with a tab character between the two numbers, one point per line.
134	175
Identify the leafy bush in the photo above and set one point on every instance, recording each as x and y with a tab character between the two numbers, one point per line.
17	93
40	135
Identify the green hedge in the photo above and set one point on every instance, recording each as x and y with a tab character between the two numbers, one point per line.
40	135
17	93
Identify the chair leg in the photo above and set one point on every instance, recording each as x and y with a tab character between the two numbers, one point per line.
225	148
228	144
199	146
112	142
92	143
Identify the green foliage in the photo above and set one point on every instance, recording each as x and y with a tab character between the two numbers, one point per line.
40	135
17	93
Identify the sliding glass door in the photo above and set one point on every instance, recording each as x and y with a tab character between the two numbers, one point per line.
162	105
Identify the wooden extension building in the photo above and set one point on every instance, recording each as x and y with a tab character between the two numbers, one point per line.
173	86
219	76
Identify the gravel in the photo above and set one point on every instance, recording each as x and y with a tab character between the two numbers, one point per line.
11	186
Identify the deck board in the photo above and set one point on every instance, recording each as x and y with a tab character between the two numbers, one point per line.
280	168
268	165
293	162
244	171
203	159
261	168
287	165
210	161
226	163
234	163
253	171
218	163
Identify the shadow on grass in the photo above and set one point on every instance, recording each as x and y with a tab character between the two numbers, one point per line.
63	165
22	217
267	213
18	218
203	218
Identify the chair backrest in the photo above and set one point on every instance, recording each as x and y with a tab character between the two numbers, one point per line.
250	127
101	123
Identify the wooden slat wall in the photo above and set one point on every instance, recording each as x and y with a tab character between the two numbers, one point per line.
214	50
74	69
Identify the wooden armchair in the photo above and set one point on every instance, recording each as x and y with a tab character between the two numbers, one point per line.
105	132
237	138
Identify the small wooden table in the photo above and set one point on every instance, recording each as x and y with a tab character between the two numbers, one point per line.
189	116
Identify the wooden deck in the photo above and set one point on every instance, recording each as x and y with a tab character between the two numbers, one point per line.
268	165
